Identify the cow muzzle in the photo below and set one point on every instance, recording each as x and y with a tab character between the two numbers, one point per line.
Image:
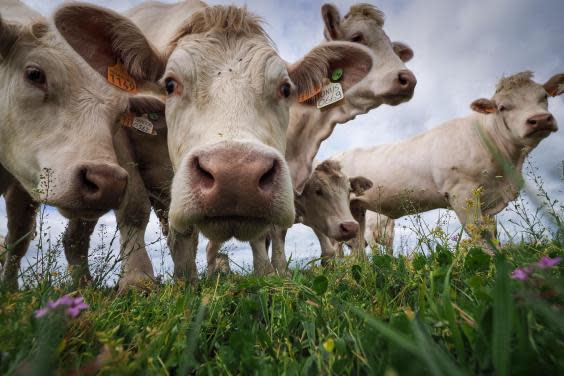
240	189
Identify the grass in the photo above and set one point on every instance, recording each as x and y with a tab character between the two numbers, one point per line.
455	311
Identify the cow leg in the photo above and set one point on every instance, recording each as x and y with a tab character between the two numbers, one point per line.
21	210
328	248
183	248
261	263
217	263
132	218
279	261
340	251
358	245
388	236
76	242
471	218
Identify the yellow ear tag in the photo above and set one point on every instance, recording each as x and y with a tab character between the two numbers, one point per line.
120	77
331	94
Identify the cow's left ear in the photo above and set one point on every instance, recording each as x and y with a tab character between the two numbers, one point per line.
9	33
332	20
555	86
360	184
103	37
353	60
484	106
404	52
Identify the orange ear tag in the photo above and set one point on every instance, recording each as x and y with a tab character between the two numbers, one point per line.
120	77
304	97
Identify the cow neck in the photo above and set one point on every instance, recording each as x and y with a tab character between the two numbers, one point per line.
309	127
498	132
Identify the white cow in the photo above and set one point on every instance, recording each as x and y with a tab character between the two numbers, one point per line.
57	121
460	163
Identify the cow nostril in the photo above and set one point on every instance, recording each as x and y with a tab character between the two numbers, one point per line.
403	80
267	179
549	118
87	184
531	122
206	178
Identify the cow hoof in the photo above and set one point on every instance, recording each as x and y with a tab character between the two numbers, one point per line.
265	270
136	281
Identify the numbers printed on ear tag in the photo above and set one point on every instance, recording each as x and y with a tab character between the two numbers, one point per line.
330	94
120	77
141	123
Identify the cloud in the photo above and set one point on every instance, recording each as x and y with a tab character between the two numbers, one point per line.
461	50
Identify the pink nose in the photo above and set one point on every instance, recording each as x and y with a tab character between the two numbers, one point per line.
235	180
542	121
101	186
404	84
348	230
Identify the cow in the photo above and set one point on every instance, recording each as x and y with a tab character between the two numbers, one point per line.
225	145
379	230
389	82
459	164
323	206
57	121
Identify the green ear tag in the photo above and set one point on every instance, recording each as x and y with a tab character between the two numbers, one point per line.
337	74
153	116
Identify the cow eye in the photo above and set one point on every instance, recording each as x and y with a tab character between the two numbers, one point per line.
357	38
36	77
285	90
319	192
502	108
171	86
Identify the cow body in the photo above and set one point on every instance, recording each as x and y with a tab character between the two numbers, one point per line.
459	164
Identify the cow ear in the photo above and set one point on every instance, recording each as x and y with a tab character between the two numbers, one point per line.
332	20
9	33
404	52
360	184
315	69
484	106
104	38
555	86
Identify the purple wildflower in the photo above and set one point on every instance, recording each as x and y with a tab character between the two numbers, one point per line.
73	306
521	274
547	262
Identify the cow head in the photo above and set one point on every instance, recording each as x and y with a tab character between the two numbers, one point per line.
389	81
519	108
229	95
383	79
324	203
57	119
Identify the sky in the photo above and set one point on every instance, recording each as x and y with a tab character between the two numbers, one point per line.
461	50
